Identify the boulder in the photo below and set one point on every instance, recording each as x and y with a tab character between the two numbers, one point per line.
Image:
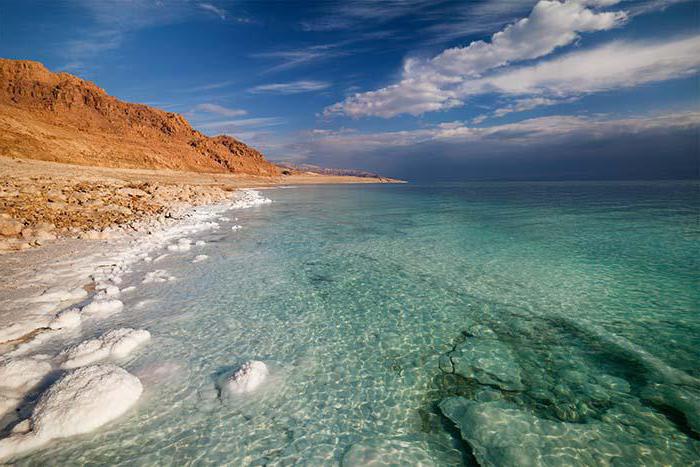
10	227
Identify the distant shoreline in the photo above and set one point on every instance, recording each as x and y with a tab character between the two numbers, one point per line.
41	201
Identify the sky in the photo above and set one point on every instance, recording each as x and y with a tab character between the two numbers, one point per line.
417	89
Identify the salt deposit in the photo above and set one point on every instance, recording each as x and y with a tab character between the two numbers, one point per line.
21	374
247	378
200	243
159	275
236	227
80	402
199	258
102	307
184	244
114	344
59	294
66	319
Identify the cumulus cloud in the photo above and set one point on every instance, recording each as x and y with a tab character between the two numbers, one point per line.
293	87
612	66
448	79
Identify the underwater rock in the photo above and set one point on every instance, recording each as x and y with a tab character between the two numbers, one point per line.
247	378
484	358
399	451
502	434
79	402
679	398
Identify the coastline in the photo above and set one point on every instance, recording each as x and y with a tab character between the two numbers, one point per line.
48	292
41	201
82	230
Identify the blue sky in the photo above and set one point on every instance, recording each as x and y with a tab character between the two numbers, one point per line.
412	88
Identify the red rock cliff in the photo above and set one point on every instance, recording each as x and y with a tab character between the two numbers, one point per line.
59	117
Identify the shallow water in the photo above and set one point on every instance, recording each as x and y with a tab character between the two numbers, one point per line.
352	294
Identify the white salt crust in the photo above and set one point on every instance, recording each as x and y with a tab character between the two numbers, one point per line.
90	396
247	378
114	344
80	402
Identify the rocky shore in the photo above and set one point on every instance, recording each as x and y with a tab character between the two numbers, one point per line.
43	201
36	210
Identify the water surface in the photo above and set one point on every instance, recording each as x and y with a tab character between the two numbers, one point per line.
352	294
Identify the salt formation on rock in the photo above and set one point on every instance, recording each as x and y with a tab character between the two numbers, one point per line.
199	258
67	319
117	343
22	374
103	307
159	275
247	378
484	358
182	245
80	402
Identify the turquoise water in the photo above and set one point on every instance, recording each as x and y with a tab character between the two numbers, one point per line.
499	323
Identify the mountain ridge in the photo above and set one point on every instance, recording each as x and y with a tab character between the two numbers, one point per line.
62	118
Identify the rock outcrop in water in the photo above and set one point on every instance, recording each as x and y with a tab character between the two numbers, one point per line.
59	117
484	358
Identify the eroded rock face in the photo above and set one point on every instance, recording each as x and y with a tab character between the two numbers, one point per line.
502	434
484	358
132	135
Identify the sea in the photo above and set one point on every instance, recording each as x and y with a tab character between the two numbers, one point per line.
478	323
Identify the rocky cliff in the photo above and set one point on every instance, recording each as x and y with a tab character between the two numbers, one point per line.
59	117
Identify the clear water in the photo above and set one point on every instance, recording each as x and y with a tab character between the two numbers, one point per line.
352	294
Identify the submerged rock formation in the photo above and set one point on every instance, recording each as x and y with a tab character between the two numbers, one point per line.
484	358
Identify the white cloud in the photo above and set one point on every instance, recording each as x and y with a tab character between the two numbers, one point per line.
293	87
612	66
220	110
430	85
530	131
230	125
220	12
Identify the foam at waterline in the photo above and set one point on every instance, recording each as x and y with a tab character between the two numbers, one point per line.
115	344
80	402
